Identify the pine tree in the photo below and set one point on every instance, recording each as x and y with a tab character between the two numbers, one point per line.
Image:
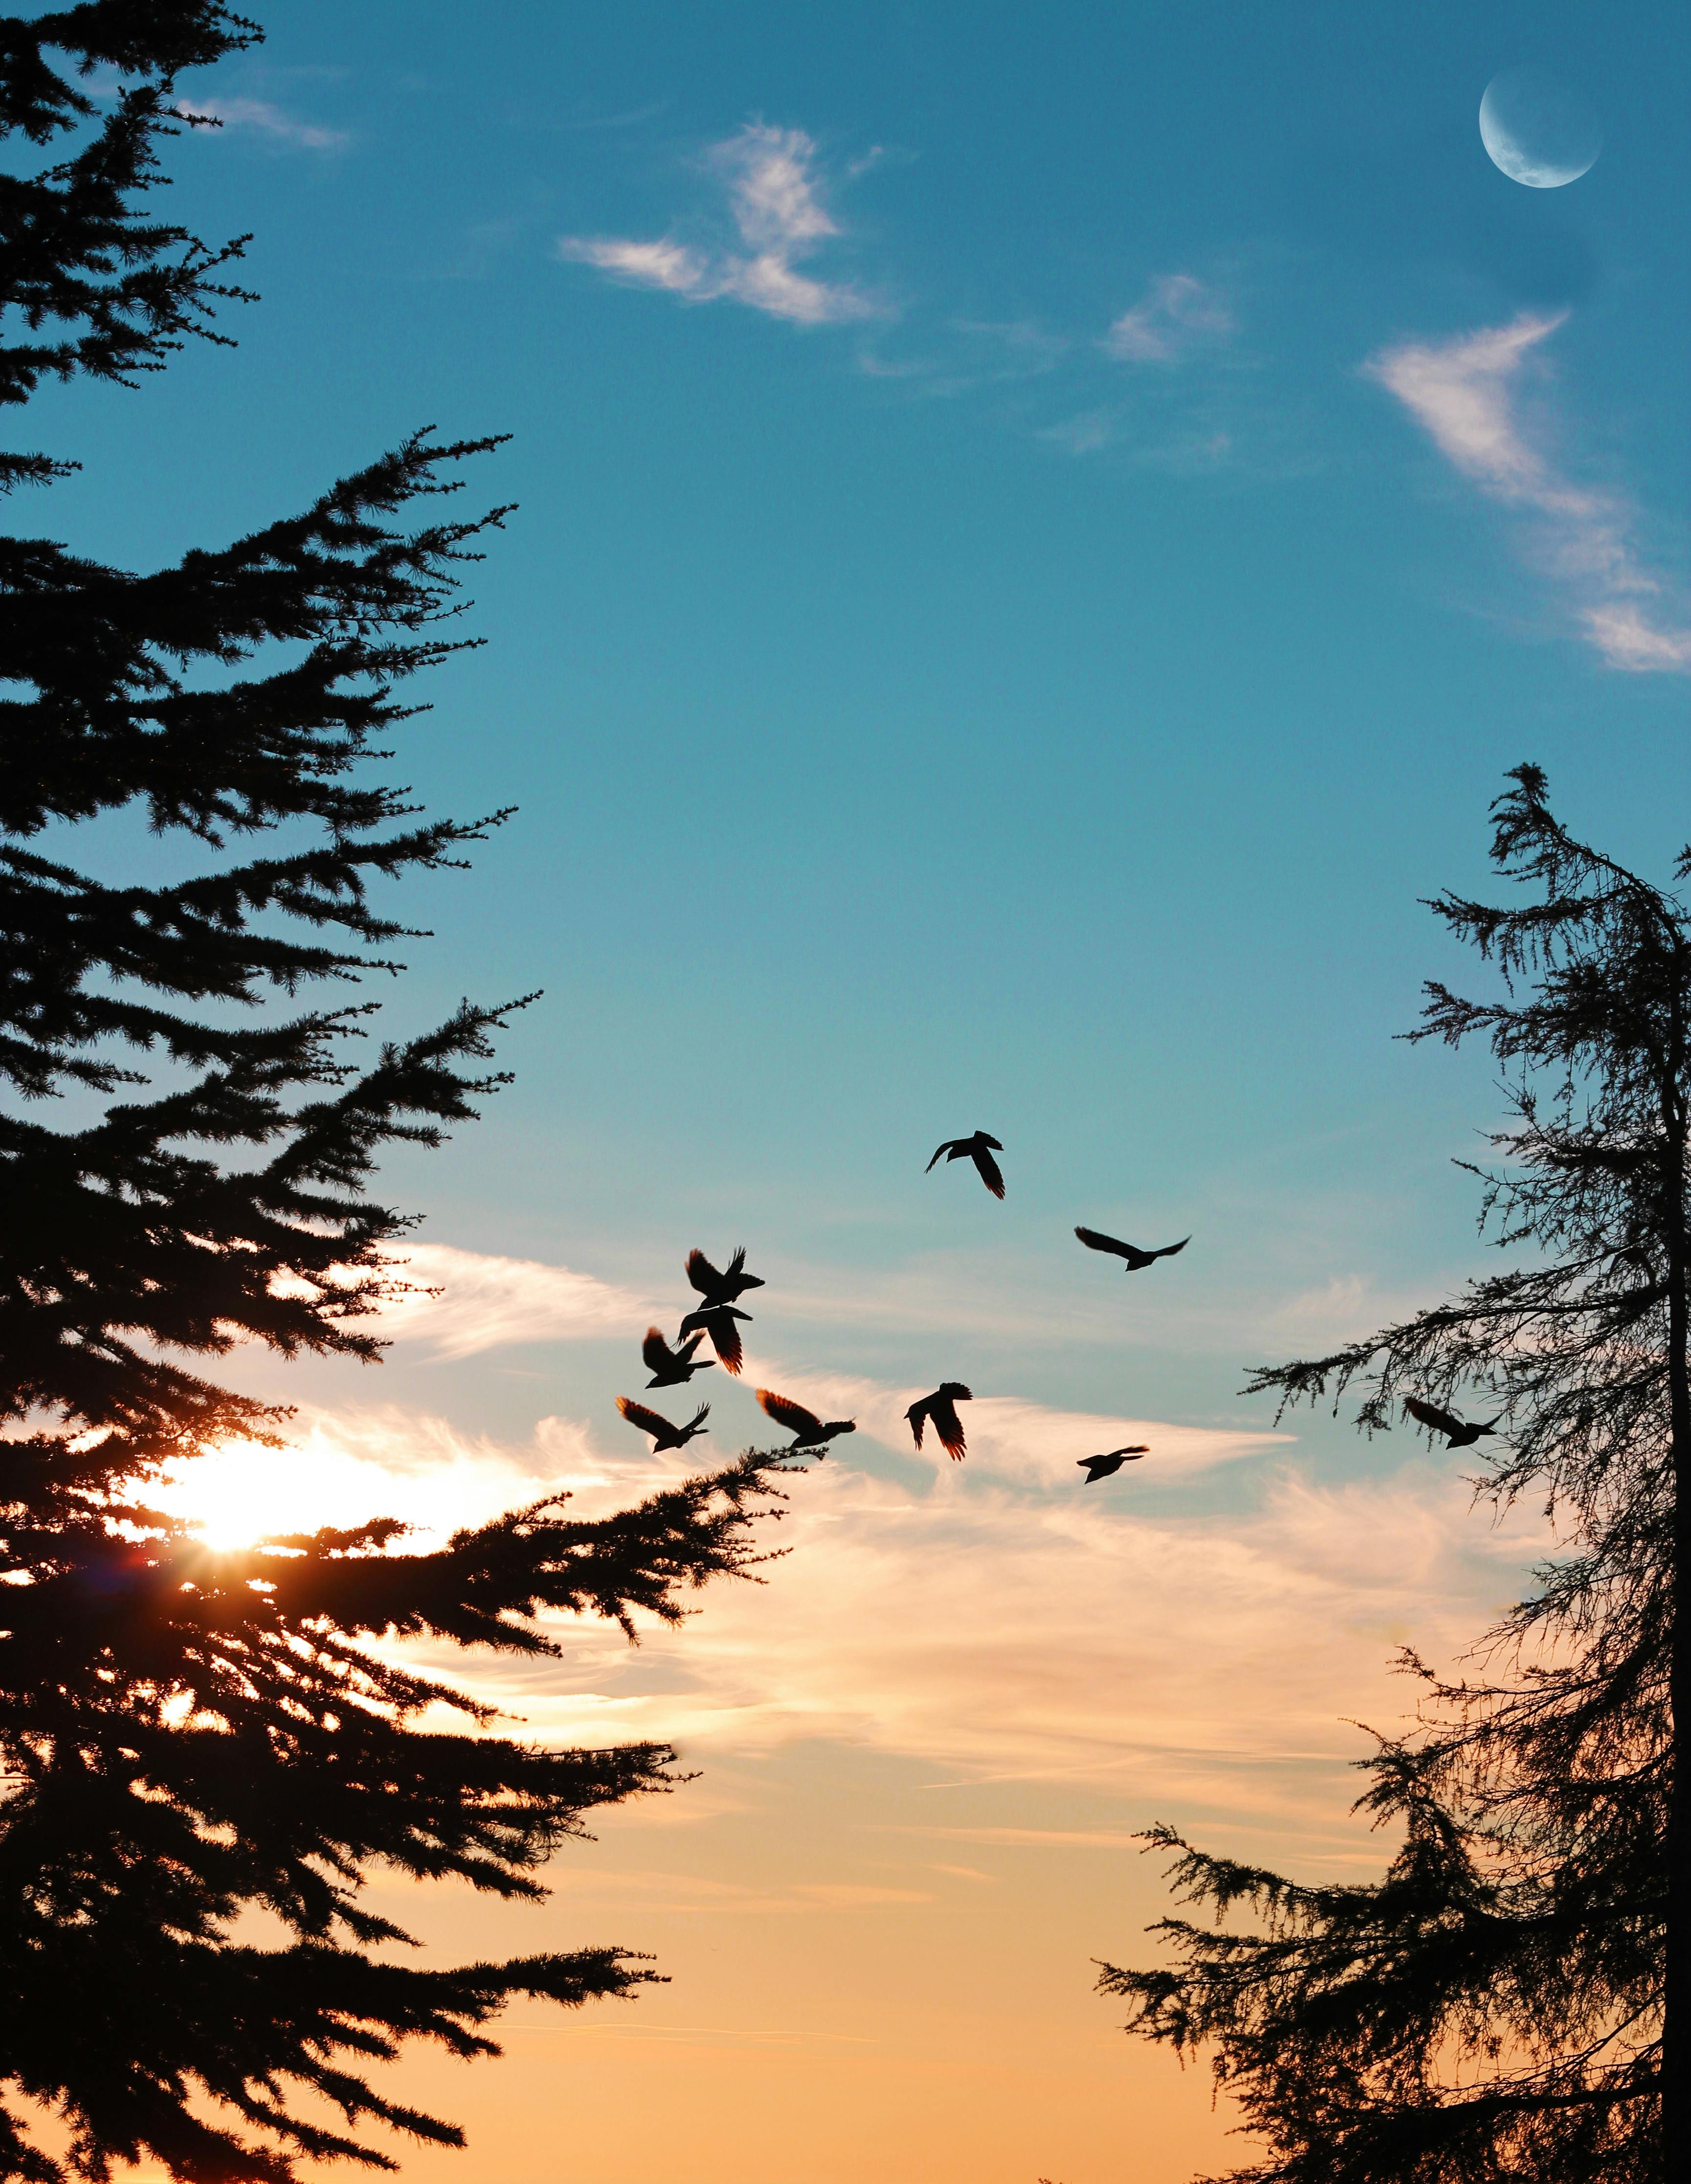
1509	2002
188	1735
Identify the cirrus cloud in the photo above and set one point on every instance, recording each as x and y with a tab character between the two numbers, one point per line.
1178	312
269	121
775	202
1467	395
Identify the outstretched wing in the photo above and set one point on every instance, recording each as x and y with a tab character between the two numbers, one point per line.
1430	1415
1143	1448
1095	1241
647	1421
656	1351
949	1428
794	1416
724	1335
736	1266
702	1275
991	1174
1168	1250
917	1415
950	1146
696	1423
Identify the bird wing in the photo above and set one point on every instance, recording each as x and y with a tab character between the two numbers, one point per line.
696	1423
950	1146
1430	1415
702	1274
986	1141
696	1320
917	1415
991	1174
637	1415
1142	1448
656	1351
794	1416
736	1266
725	1337
1095	1241
955	1390
1168	1250
949	1428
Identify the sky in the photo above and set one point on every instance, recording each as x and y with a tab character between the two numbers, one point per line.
1040	533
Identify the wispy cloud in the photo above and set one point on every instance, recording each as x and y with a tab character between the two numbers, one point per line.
481	1302
1179	313
999	1619
995	1616
775	202
1467	393
258	114
1083	434
1021	1443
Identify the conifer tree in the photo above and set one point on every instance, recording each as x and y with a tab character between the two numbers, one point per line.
186	1155
1511	2001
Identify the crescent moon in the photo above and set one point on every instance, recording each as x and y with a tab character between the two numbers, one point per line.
1537	131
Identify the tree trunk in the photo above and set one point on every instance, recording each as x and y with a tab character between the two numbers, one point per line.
1676	2050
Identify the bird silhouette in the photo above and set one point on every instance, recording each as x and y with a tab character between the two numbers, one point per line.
672	1368
807	1431
663	1435
979	1149
724	1288
1105	1467
1463	1434
718	1322
1095	1241
939	1410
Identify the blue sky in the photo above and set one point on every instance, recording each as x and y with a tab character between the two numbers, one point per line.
1040	534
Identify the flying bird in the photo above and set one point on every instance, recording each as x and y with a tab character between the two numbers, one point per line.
979	1149
724	1288
939	1410
1095	1241
1463	1434
717	1321
663	1435
672	1368
1105	1467
806	1429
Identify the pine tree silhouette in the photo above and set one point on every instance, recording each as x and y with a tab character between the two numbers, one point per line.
190	1734
1511	2001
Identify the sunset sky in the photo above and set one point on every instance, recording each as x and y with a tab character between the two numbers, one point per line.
1040	533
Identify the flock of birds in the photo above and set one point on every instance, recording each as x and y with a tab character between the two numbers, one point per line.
717	1317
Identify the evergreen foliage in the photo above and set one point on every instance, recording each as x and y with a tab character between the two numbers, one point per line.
1509	2002
190	1736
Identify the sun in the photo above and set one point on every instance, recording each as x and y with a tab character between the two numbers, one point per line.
241	1491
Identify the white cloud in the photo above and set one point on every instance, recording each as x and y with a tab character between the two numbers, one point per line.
1083	435
775	201
258	114
660	264
1178	314
485	1301
771	189
996	1617
1011	1438
1024	1629
1466	394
